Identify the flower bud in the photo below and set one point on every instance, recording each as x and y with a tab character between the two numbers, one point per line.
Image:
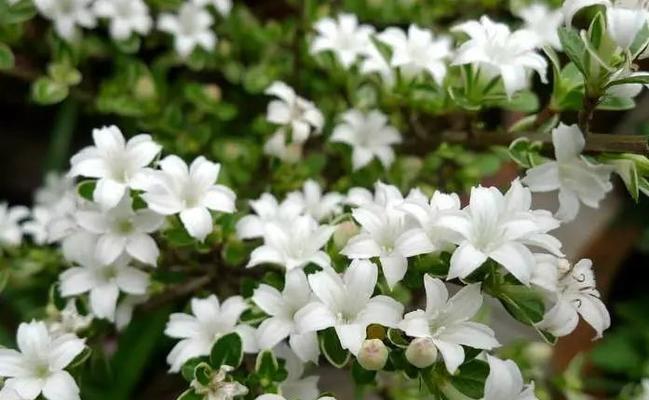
344	231
373	355
421	352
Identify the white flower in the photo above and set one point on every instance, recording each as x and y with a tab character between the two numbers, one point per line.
576	295
447	322
126	17
282	307
369	135
418	51
387	233
316	204
191	27
11	233
296	386
7	393
54	190
104	282
505	382
68	320
544	22
279	146
384	195
123	230
267	209
222	6
624	18
292	111
500	227
125	308
346	303
546	271
577	179
343	36
67	15
189	191
38	224
220	387
209	321
117	164
498	51
626	90
39	365
427	213
293	245
374	62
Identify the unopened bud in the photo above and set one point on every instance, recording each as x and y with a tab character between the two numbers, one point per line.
345	231
373	355
421	352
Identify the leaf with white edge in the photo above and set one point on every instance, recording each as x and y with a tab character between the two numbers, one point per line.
86	189
397	338
47	91
228	350
611	103
627	170
332	350
203	373
640	42
523	303
642	79
7	60
470	378
187	370
643	184
525	152
266	365
597	30
574	47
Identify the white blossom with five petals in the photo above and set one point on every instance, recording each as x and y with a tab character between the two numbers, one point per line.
343	36
447	322
126	17
346	304
38	367
190	191
191	28
67	15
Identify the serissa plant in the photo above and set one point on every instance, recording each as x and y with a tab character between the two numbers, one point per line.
348	227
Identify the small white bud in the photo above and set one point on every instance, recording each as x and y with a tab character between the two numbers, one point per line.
373	355
421	352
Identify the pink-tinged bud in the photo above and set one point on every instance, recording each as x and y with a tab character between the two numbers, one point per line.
421	353
373	355
345	231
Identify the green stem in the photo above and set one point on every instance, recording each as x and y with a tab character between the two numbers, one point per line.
61	139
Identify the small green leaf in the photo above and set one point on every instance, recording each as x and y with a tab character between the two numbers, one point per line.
611	103
203	373
4	279
470	378
20	12
266	365
81	358
7	60
640	42
523	101
574	47
525	153
228	350
628	171
332	350
361	375
86	189
639	78
47	91
523	303
187	370
178	237
397	338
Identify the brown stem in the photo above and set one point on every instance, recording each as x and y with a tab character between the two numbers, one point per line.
177	292
587	112
595	143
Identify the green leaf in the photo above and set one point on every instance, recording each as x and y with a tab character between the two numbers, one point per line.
397	338
266	365
611	103
332	350
523	303
574	47
64	73
523	101
178	237
228	350
640	42
187	370
525	153
4	279
470	378
7	60
47	91
20	12
597	30
203	373
628	171
86	189
361	375
639	78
